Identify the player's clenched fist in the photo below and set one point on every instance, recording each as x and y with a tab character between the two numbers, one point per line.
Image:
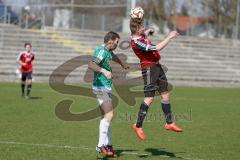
173	34
106	73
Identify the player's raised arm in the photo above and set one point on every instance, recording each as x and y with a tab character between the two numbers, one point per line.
116	59
163	44
94	66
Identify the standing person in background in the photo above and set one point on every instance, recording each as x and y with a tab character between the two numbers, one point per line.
25	60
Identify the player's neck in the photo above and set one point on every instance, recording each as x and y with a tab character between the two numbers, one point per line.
136	35
107	47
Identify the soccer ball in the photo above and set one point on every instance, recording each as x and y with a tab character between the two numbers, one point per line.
137	12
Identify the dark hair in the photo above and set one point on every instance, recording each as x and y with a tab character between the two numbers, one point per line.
135	23
27	44
111	36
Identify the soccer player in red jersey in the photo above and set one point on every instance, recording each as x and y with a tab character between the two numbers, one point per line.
25	59
152	73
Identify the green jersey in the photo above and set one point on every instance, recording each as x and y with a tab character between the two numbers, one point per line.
102	57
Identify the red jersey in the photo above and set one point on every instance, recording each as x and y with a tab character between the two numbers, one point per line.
28	59
145	51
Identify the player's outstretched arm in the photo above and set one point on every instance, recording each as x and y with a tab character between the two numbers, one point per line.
117	60
163	44
93	66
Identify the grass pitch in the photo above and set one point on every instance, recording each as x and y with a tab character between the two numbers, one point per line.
30	130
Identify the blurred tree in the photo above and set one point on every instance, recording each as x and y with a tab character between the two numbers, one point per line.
153	9
224	13
113	11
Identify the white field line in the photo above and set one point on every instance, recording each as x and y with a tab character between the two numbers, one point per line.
81	147
43	145
61	146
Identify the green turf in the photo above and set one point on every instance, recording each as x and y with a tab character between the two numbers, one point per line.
30	130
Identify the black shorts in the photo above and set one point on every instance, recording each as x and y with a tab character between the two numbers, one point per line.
154	80
26	75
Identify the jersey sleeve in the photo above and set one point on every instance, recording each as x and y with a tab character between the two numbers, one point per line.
33	57
141	46
98	56
19	56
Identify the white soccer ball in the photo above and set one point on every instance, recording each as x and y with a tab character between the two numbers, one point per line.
137	12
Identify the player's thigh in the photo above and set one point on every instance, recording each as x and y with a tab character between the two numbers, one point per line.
107	109
24	76
29	77
162	81
104	101
150	78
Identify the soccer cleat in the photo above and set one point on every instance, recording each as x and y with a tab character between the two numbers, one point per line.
111	151
105	151
101	152
173	127
139	132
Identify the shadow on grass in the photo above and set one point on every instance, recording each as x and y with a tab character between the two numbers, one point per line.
121	152
159	152
149	152
35	98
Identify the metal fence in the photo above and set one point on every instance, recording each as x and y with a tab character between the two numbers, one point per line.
38	17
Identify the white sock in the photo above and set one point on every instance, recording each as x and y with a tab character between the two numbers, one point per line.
103	129
108	138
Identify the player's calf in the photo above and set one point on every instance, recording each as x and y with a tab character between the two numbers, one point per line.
166	107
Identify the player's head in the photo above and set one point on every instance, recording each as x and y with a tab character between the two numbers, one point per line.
111	40
136	26
28	47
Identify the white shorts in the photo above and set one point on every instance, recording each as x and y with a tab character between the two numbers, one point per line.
103	96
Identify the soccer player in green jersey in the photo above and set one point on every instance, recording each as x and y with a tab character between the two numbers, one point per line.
102	88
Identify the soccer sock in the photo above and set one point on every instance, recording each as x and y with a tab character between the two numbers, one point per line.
23	88
141	114
108	138
103	129
29	87
166	107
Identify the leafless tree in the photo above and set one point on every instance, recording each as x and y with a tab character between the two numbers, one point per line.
224	13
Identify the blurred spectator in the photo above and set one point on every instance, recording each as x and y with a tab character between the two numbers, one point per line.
7	15
29	19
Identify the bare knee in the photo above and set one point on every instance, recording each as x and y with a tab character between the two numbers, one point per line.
29	81
109	116
148	100
165	96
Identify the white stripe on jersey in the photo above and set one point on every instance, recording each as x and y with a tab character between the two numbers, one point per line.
100	54
19	56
